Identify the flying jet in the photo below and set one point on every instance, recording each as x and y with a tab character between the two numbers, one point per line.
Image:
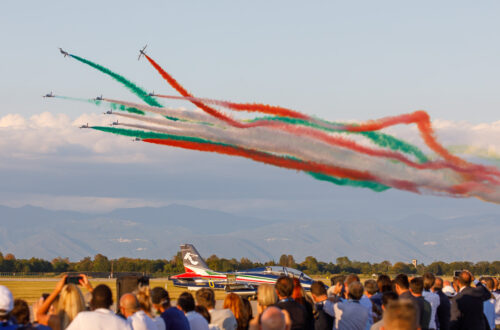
63	52
49	95
99	98
115	123
152	94
198	275
141	52
137	139
109	112
85	126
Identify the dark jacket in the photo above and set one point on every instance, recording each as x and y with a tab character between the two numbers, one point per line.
425	312
297	312
322	321
467	308
443	311
409	296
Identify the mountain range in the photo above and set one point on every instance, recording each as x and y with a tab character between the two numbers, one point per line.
150	232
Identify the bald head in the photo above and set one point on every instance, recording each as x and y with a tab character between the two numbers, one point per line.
128	304
273	319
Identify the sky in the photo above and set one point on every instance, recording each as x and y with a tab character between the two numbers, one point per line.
355	60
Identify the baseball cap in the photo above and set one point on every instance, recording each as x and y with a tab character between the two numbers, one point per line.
449	291
159	296
6	299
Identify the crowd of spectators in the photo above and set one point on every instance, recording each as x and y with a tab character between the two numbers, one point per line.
426	302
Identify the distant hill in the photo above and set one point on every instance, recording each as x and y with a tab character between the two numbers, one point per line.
157	232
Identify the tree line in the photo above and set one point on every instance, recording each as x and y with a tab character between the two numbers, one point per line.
343	265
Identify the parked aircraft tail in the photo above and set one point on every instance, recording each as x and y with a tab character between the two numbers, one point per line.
191	258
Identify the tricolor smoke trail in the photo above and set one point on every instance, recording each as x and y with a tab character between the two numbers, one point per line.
358	155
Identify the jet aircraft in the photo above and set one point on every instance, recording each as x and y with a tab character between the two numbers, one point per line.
115	123
99	98
85	126
141	52
152	94
49	95
244	282
63	52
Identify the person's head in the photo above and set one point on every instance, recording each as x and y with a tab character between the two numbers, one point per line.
438	284
101	297
266	296
203	311
429	280
160	299
6	303
234	303
185	302
128	304
71	302
351	278
465	278
298	291
143	295
206	297
400	315
388	297
384	283
496	283
273	319
488	283
416	286
21	312
335	280
401	283
318	291
284	287
355	290
370	287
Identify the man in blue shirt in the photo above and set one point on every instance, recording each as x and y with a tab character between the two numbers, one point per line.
174	318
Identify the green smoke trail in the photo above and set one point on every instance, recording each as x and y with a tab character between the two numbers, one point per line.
142	94
380	139
116	106
156	135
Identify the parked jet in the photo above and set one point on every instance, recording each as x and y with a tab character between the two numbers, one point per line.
244	282
49	95
63	52
141	52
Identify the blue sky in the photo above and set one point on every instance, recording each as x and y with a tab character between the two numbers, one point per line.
338	60
350	59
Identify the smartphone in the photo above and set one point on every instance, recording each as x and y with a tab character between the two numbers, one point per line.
73	279
457	273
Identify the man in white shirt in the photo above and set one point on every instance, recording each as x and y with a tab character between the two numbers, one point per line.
138	320
223	318
101	317
431	297
185	303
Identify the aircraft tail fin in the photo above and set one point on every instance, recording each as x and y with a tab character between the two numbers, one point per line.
191	258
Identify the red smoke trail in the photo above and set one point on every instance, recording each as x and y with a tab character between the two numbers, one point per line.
178	87
421	118
283	162
249	107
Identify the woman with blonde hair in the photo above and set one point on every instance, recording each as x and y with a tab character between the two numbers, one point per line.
70	302
266	296
234	303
